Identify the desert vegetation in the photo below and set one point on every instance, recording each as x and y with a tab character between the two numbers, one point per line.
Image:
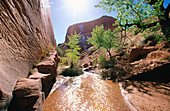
139	24
143	16
72	55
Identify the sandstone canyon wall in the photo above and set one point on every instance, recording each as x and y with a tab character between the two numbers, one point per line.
29	93
25	30
86	28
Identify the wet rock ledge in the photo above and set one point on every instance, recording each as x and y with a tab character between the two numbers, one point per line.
29	93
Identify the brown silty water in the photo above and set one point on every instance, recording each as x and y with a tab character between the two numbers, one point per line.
87	92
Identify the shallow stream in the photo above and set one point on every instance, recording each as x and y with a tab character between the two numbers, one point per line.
87	92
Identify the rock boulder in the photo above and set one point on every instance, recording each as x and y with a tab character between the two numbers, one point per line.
163	55
140	53
29	93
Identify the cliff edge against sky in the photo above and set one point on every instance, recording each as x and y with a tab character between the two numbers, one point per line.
85	28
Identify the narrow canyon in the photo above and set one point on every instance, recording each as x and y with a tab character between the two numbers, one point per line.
31	65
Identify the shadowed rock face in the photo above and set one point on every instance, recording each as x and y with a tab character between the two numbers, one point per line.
29	93
139	53
86	28
25	29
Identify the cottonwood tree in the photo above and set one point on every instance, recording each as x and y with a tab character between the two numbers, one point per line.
72	53
101	38
145	16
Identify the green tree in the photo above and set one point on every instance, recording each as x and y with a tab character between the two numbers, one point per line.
141	14
72	54
101	38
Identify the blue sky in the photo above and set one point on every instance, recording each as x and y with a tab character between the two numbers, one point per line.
166	3
64	15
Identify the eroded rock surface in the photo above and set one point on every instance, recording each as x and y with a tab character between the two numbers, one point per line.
140	53
25	31
29	93
155	67
26	95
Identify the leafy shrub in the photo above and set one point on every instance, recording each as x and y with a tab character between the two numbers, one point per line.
71	72
36	63
64	61
111	64
158	37
109	73
102	61
60	52
94	63
31	71
45	51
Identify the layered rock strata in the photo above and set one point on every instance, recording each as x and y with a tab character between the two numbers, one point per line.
25	31
29	93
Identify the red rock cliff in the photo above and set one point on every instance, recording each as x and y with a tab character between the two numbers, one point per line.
25	29
87	27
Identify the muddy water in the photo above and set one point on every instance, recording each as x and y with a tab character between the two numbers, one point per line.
86	93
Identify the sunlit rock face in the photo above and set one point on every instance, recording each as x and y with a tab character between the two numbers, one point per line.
86	28
25	30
